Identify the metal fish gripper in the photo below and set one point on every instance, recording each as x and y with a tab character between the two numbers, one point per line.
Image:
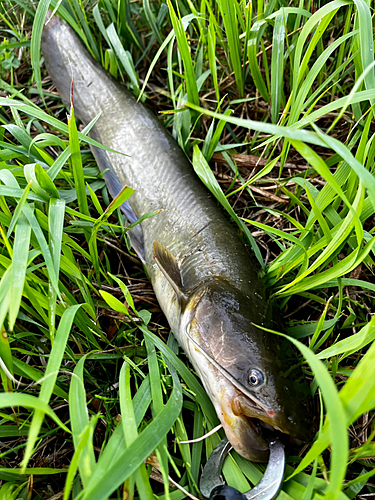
213	487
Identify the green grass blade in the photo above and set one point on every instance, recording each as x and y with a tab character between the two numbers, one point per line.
48	383
130	430
228	11
20	259
352	344
83	440
252	47
130	459
36	36
80	424
335	413
76	160
179	31
124	57
212	55
8	400
56	227
366	41
277	66
357	397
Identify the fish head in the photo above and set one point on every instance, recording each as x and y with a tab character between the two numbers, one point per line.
255	377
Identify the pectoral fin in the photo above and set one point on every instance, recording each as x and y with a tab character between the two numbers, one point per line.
168	265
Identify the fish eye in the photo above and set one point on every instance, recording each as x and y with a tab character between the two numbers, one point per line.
255	378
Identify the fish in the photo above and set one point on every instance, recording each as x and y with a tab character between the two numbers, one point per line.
203	274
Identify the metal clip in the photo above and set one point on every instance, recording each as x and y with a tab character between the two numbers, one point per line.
213	487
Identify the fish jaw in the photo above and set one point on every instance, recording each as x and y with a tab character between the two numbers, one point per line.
240	431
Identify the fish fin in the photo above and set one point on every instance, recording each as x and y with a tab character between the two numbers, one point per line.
114	187
168	265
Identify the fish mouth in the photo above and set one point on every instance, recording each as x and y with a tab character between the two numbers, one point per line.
249	416
251	408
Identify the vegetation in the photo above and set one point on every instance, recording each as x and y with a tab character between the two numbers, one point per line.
274	102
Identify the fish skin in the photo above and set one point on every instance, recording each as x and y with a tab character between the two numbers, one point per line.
203	275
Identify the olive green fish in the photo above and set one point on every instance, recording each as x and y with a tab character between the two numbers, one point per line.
202	273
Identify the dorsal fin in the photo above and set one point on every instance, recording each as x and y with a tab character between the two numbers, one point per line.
168	265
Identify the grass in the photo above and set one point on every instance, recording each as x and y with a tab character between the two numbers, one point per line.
274	102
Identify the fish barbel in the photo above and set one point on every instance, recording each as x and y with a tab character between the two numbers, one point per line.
203	275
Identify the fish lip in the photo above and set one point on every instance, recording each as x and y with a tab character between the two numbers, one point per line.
254	408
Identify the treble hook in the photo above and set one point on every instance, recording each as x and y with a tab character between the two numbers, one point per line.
213	487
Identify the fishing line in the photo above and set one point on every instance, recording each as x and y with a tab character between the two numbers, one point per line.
208	434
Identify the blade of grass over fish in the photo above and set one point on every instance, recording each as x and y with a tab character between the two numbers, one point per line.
36	36
81	425
277	232
130	430
186	374
91	44
69	17
48	383
76	159
54	170
204	172
135	454
20	258
155	60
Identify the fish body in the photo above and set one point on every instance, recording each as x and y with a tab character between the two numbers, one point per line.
203	275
